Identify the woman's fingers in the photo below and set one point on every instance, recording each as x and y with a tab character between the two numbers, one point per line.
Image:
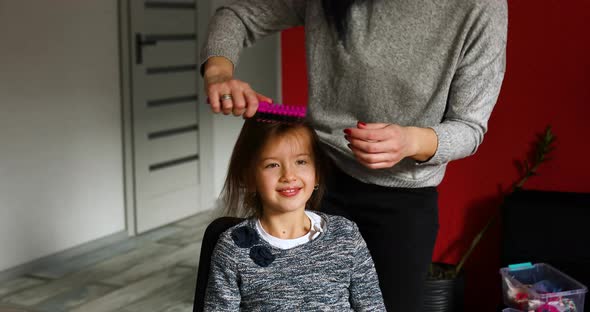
213	100
372	147
227	102
251	103
239	104
375	160
370	132
264	98
378	145
234	97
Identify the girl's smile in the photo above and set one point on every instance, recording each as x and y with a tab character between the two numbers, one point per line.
289	192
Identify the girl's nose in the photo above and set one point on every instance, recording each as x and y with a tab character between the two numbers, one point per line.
288	174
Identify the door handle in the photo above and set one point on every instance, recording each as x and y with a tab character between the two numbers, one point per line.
140	42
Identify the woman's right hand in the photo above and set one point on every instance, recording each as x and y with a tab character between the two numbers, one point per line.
226	94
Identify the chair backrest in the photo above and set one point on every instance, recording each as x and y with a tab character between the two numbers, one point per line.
212	233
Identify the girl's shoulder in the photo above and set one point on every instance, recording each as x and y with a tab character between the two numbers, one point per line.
240	238
334	219
243	229
339	224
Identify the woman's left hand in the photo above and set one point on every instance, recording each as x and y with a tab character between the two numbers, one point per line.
381	145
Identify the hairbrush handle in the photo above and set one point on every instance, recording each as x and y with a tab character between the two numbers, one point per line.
274	112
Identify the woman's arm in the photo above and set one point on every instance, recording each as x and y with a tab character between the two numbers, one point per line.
473	94
232	28
476	84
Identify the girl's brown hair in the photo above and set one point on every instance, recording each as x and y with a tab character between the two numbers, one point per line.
238	195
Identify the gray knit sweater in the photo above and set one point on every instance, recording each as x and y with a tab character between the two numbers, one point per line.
423	63
333	272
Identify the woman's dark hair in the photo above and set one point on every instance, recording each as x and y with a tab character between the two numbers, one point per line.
337	13
239	199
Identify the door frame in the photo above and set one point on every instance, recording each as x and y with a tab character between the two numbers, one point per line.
205	119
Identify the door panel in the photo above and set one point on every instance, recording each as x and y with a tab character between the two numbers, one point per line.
170	53
172	147
169	21
159	119
160	207
161	182
164	113
167	85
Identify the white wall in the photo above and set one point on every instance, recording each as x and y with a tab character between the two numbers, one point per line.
60	127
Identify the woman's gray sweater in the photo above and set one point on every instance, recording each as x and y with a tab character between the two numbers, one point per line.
333	272
424	63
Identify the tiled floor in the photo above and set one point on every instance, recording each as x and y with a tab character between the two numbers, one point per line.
155	272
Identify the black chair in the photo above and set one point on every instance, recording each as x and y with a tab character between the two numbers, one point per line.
212	233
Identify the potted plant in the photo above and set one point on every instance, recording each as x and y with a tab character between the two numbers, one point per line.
445	283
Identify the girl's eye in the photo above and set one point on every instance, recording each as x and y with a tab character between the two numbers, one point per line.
301	162
273	165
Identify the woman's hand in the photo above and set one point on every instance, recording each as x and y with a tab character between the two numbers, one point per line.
228	95
380	145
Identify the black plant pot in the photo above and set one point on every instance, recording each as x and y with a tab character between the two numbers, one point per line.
445	295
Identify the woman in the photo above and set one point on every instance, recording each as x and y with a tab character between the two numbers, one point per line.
397	89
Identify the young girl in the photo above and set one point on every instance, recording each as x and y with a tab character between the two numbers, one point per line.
285	257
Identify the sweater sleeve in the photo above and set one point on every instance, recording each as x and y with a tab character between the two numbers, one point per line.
476	84
223	293
365	294
242	22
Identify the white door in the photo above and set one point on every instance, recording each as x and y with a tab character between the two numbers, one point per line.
164	117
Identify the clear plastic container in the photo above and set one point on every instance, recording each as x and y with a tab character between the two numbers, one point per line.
541	288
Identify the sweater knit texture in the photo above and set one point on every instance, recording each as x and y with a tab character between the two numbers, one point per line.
333	272
423	63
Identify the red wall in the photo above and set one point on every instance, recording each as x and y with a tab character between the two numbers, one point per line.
547	82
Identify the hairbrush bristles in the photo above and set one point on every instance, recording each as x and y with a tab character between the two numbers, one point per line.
281	113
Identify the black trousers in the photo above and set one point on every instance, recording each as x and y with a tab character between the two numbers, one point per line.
400	227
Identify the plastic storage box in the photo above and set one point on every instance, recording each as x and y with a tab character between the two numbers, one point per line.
541	288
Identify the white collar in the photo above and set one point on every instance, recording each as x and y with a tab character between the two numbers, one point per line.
317	226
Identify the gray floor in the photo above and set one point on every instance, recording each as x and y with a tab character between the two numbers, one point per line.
155	271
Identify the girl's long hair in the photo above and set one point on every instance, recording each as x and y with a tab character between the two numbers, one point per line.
337	14
239	194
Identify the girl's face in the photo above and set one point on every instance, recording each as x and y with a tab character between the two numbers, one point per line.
285	172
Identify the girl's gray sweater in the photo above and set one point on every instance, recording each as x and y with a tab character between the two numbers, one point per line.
333	272
423	63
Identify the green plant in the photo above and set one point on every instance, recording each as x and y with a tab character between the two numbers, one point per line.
543	147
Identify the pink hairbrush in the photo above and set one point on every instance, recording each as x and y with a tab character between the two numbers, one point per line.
281	113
